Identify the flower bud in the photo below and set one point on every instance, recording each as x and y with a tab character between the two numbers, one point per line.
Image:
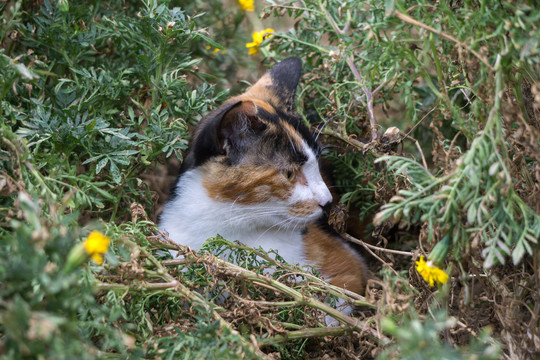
95	246
439	252
388	326
63	6
76	257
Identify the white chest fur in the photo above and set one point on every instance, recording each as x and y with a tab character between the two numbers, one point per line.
192	217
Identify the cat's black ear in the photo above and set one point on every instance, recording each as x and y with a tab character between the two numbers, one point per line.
279	84
227	131
285	77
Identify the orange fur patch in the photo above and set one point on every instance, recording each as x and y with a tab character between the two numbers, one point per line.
262	90
335	260
244	184
260	103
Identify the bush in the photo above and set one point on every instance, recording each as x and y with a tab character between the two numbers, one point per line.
433	114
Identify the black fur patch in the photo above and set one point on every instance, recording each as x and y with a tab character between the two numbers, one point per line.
285	77
302	129
205	143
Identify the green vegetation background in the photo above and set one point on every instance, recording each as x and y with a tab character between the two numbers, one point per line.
433	111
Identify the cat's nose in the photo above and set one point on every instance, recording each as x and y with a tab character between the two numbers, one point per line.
324	197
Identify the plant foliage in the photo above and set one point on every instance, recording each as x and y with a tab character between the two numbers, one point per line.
431	113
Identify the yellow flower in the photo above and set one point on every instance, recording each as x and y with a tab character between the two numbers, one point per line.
96	245
430	273
258	38
246	5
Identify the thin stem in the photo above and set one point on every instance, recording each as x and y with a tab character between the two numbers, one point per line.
138	287
436	182
303	334
297	8
369	94
369	98
261	280
186	292
494	113
440	76
380	259
39	178
272	303
331	21
419	150
358	144
174	262
321	49
360	242
296	271
410	20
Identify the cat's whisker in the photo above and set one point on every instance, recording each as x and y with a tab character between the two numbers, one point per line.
254	214
239	220
242	207
234	202
321	128
242	217
294	223
257	209
275	225
292	144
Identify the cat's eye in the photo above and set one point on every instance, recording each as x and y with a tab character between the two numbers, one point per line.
289	174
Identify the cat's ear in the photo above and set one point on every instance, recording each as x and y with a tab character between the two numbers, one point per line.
278	85
227	131
239	127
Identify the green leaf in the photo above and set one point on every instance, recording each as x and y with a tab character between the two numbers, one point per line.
115	173
25	72
518	253
101	164
123	152
209	41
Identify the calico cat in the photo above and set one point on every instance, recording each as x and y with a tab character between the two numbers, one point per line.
251	174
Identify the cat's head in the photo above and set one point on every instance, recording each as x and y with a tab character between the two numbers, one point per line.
254	152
